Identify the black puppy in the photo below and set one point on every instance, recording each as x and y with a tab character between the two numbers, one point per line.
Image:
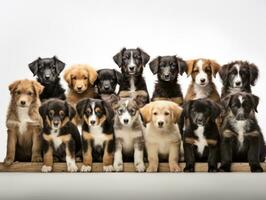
167	69
106	82
238	76
61	138
97	133
132	62
48	71
242	139
201	136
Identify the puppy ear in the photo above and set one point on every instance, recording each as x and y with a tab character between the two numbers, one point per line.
215	67
67	76
190	66
186	108
176	112
118	76
12	87
80	107
108	110
140	100
97	79
144	56
255	101
118	58
223	72
59	65
38	88
43	109
92	74
254	73
182	65
145	112
154	65
226	101
71	111
215	109
34	66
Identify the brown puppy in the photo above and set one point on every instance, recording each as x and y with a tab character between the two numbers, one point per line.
24	122
80	79
201	71
161	133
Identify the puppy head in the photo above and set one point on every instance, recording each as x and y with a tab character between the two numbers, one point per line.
47	69
168	67
162	114
201	111
201	71
242	105
239	74
107	80
80	77
94	112
25	92
131	61
56	113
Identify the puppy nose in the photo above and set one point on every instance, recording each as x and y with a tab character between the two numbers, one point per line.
93	122
106	87
56	123
167	76
47	77
125	121
202	80
131	68
238	83
160	123
79	88
23	102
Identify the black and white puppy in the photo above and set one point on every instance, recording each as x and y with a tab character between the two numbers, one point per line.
242	139
201	137
132	62
47	71
97	133
167	69
238	76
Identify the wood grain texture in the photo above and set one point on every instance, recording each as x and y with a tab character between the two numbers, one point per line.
128	167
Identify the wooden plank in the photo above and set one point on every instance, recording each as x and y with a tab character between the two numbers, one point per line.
128	167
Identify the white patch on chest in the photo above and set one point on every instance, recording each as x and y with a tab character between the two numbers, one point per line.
201	92
98	135
24	118
132	84
239	127
56	140
201	143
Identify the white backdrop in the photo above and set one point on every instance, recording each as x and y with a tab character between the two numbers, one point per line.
80	31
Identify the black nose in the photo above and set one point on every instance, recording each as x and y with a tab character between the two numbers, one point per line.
79	88
106	87
167	76
56	123
47	77
93	122
125	121
202	80
23	102
131	68
160	124
199	121
238	83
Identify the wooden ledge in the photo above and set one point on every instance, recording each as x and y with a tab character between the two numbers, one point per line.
128	167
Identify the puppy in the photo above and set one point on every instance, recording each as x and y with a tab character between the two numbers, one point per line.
132	62
129	141
167	69
201	137
61	139
201	71
161	133
97	133
47	71
24	122
242	139
238	76
106	83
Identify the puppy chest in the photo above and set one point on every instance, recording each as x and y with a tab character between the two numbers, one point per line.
128	137
24	118
57	141
240	129
201	141
98	136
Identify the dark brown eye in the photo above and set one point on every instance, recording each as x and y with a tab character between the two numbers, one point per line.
18	92
30	93
51	113
196	70
155	113
62	113
166	113
74	78
85	78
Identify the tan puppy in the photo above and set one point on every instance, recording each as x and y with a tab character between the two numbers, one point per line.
80	79
24	122
161	133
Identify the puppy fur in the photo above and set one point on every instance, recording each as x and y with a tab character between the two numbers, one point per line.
47	71
201	137
129	141
167	69
24	122
201	72
60	137
97	133
238	76
161	133
242	139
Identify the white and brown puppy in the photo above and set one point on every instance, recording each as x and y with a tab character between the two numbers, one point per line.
161	133
129	141
201	72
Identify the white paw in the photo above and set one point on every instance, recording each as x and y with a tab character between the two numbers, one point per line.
118	166
85	168
140	167
108	168
46	168
72	168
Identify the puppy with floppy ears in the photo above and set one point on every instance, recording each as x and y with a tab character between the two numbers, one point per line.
201	136
167	69
201	71
129	141
97	133
61	139
238	76
161	133
242	139
24	122
47	71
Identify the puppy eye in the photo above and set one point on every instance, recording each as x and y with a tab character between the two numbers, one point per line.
196	70
62	114
120	111
155	113
74	78
166	113
18	92
85	78
132	112
51	113
30	93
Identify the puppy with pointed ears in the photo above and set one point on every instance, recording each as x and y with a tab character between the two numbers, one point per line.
201	138
242	139
24	122
161	133
167	69
201	72
61	139
129	141
97	133
238	76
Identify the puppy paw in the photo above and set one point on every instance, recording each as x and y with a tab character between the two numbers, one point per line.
212	169
37	158
8	162
140	167
72	168
225	168
118	167
189	169
85	168
46	168
256	168
174	167
108	168
152	168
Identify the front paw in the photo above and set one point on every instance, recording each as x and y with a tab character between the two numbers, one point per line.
212	169
152	168
36	158
225	168
174	167
85	168
189	168
72	168
118	166
8	161
108	168
256	168
140	167
46	168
